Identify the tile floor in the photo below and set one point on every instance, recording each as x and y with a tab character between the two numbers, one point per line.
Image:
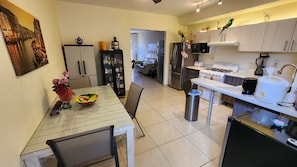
170	140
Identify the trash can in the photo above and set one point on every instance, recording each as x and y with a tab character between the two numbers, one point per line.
192	101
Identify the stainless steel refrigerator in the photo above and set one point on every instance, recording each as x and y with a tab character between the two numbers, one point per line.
178	64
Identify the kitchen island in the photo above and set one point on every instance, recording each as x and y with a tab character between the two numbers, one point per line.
235	92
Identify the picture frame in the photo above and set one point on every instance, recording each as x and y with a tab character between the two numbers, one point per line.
23	37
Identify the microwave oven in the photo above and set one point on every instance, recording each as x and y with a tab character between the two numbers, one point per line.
199	48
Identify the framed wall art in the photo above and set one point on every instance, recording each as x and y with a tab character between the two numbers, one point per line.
22	34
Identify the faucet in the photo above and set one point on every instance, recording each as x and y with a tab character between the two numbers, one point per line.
291	95
294	74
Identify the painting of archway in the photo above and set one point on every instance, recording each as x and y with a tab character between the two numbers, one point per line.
22	34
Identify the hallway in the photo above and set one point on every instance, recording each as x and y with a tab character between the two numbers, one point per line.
172	141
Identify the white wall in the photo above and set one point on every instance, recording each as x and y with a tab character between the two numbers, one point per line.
95	23
26	98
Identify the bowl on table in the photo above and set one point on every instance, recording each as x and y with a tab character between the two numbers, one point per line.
86	99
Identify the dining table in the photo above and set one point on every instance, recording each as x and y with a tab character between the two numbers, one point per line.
105	111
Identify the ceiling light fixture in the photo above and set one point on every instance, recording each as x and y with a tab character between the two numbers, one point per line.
198	9
157	1
220	2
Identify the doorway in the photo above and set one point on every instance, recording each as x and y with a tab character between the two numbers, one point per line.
148	46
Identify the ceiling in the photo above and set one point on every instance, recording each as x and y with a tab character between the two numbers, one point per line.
174	7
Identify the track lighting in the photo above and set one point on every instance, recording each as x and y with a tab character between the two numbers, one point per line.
203	2
198	9
220	2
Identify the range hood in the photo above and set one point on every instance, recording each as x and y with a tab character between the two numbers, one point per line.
224	43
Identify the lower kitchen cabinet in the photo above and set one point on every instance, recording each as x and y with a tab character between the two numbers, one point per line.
231	80
191	73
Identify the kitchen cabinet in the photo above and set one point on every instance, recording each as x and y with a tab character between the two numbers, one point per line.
229	34
192	73
202	37
80	61
234	81
278	36
113	70
251	37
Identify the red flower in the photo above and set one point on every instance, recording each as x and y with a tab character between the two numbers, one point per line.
60	85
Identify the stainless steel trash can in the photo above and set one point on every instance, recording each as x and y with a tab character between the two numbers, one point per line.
192	105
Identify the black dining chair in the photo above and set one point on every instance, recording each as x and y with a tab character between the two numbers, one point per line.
85	148
132	101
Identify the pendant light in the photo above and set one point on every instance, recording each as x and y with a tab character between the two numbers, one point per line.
220	2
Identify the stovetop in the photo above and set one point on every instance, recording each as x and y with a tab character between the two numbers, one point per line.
220	70
224	68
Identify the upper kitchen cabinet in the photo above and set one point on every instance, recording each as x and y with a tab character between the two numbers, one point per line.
202	37
80	61
278	36
251	37
228	35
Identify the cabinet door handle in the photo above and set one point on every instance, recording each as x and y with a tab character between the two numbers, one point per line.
285	47
293	43
84	64
78	65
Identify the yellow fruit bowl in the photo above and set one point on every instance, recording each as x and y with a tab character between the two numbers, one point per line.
86	98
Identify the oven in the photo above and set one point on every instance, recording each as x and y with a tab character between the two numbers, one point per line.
217	73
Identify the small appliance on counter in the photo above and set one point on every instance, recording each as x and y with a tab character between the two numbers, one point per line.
271	89
249	85
261	63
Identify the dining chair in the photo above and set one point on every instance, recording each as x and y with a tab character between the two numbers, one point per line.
81	82
85	148
132	101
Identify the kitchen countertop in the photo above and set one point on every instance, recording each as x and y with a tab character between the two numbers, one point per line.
235	91
196	67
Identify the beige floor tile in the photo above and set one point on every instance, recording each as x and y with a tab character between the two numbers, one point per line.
210	164
171	140
151	158
162	133
143	144
149	118
170	112
216	161
182	153
210	148
184	126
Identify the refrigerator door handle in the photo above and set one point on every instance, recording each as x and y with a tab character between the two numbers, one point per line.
174	57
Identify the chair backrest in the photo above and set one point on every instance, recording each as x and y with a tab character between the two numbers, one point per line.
83	147
81	82
133	99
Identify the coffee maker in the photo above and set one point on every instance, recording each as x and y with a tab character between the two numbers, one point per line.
261	63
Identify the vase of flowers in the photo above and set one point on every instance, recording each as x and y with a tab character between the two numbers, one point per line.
61	87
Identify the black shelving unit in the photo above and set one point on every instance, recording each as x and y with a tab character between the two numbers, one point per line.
113	70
